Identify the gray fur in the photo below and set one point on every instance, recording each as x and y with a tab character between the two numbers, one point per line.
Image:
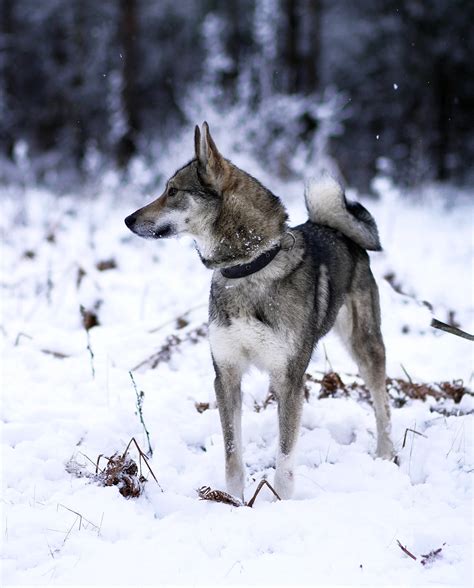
327	205
273	318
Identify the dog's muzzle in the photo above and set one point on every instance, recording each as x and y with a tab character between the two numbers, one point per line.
148	229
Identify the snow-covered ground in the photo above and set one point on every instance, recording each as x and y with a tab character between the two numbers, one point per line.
349	509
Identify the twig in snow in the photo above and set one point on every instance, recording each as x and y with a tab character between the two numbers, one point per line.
261	484
411	431
432	555
19	336
88	458
435	323
427	558
142	455
57	354
405	550
140	397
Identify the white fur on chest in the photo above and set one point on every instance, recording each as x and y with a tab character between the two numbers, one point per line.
246	342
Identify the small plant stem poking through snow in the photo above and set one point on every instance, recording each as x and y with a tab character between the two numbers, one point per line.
91	354
140	397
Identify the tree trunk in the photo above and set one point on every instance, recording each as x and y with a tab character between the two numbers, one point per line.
127	145
302	45
7	142
442	89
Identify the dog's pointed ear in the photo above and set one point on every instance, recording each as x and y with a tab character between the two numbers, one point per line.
209	157
197	142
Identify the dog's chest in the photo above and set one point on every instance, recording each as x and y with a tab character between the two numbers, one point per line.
247	341
246	331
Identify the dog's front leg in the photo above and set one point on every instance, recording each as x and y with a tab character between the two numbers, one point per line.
229	402
289	391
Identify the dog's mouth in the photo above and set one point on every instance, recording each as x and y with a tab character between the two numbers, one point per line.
163	232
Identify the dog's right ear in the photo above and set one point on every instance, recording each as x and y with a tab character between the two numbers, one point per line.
197	142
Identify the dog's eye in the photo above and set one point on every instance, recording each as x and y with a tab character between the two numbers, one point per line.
172	191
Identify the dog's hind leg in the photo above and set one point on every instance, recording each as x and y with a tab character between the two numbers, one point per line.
358	324
229	402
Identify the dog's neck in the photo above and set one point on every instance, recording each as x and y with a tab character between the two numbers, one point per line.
249	221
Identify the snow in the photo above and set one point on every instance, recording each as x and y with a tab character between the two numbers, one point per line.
349	509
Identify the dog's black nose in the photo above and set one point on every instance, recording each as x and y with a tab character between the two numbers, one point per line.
130	220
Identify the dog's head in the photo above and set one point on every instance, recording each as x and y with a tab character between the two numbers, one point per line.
191	195
216	203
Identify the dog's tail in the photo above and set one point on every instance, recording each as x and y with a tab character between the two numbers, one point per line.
327	205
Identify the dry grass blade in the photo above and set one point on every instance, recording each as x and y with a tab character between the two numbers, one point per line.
405	550
77	469
261	484
57	354
207	493
142	456
411	431
78	514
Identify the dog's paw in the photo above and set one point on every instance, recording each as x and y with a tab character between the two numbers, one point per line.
284	483
385	449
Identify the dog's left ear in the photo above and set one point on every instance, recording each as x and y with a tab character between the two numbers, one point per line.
211	162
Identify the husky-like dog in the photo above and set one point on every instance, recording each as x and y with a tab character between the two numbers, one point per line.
275	290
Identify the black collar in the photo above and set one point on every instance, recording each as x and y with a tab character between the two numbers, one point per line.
246	269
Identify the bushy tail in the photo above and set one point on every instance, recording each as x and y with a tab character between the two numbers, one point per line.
327	205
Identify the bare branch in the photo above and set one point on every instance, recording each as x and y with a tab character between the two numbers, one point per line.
261	484
405	550
435	323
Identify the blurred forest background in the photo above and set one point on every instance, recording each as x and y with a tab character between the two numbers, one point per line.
372	86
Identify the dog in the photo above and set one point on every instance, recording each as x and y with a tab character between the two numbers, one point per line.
276	291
